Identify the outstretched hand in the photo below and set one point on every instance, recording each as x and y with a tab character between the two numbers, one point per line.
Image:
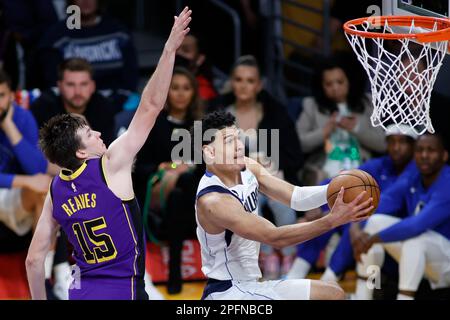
179	30
355	211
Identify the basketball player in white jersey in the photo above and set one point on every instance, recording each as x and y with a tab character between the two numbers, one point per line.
229	228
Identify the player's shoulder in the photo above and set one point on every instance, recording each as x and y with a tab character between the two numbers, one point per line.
214	199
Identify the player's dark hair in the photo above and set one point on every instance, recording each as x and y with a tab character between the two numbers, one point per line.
4	78
74	64
59	140
216	120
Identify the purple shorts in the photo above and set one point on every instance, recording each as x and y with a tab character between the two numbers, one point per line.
108	289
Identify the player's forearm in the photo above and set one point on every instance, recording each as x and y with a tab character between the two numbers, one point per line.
157	88
36	278
297	233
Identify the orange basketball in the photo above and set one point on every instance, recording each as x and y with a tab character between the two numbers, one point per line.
354	182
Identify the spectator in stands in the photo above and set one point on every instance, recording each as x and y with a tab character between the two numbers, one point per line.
174	183
23	179
254	109
385	170
24	24
334	126
420	242
77	94
190	55
101	40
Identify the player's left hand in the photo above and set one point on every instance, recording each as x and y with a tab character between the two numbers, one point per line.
179	30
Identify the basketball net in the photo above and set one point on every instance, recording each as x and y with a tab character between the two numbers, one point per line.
401	81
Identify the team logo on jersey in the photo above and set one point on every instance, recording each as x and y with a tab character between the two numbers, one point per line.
251	203
74	188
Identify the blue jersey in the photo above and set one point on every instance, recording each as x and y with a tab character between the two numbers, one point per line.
383	171
427	208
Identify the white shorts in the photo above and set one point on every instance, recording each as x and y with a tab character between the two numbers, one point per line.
434	247
295	289
12	213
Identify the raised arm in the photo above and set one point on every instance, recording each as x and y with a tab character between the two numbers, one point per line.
298	198
122	151
44	236
218	212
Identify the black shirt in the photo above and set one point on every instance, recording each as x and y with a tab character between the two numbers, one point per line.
156	150
99	112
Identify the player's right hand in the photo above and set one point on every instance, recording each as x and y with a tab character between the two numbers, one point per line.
355	211
179	30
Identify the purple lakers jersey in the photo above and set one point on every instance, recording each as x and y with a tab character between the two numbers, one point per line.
105	231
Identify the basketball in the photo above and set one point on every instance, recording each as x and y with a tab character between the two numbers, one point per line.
354	182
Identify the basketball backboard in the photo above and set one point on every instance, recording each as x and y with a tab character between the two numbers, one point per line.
430	8
435	8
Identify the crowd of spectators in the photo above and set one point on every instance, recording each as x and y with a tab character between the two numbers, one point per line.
93	72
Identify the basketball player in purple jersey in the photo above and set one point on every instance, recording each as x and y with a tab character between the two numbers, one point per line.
92	199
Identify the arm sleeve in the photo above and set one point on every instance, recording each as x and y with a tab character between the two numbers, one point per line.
433	214
307	198
27	152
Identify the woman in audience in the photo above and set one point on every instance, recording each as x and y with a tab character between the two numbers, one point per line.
334	126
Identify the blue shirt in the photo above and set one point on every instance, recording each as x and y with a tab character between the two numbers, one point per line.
427	208
25	157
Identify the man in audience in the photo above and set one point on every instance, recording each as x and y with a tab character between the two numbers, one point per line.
100	40
420	243
23	182
77	94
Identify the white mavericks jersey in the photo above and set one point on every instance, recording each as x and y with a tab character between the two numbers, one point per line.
227	256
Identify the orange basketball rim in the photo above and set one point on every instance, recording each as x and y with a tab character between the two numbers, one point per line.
439	27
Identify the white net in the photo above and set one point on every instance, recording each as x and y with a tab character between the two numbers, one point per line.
401	73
